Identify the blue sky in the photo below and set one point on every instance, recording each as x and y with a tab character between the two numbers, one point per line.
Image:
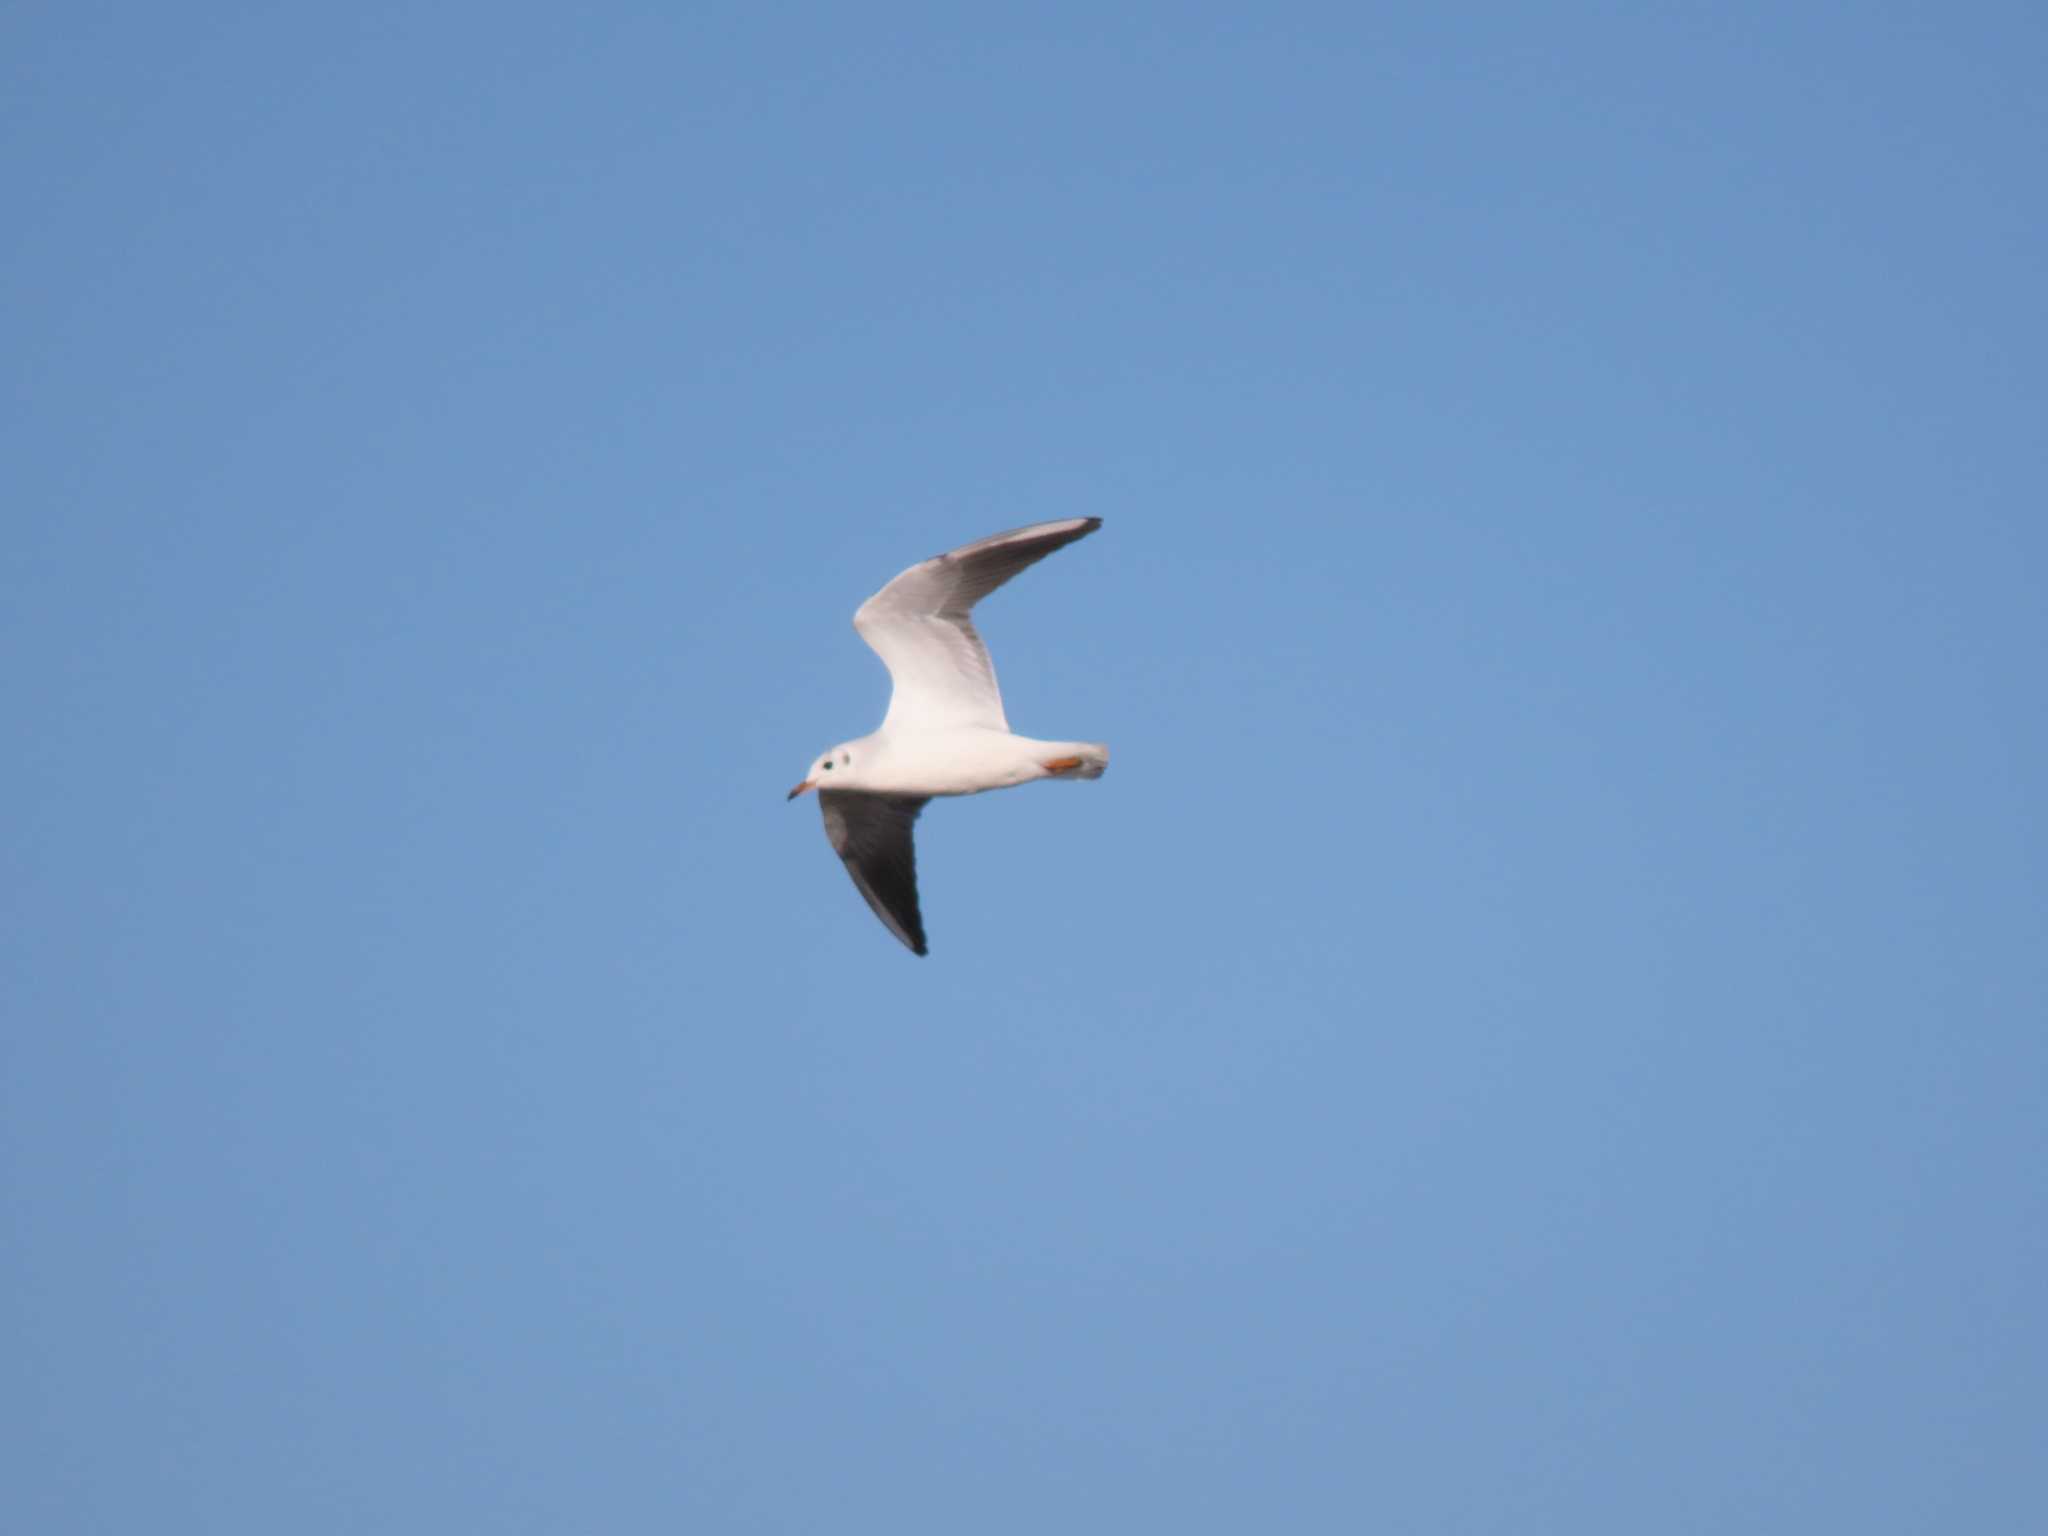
1540	1028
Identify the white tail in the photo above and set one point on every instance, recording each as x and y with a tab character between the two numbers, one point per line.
1077	760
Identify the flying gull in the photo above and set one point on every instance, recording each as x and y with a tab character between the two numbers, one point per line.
945	732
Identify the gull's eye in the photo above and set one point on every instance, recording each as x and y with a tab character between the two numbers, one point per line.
828	765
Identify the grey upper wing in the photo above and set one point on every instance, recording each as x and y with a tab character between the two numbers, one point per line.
919	625
977	569
871	834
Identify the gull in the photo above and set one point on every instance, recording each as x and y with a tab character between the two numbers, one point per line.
945	732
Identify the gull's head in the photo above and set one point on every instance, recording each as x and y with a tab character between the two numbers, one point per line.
839	766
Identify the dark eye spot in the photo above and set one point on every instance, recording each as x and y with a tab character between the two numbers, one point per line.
828	767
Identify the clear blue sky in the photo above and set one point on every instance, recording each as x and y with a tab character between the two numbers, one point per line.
1541	1028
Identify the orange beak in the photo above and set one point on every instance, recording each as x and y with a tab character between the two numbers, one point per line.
807	784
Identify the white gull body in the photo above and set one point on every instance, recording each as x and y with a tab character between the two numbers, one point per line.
945	732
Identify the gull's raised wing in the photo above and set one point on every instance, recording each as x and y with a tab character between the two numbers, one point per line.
919	625
871	834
